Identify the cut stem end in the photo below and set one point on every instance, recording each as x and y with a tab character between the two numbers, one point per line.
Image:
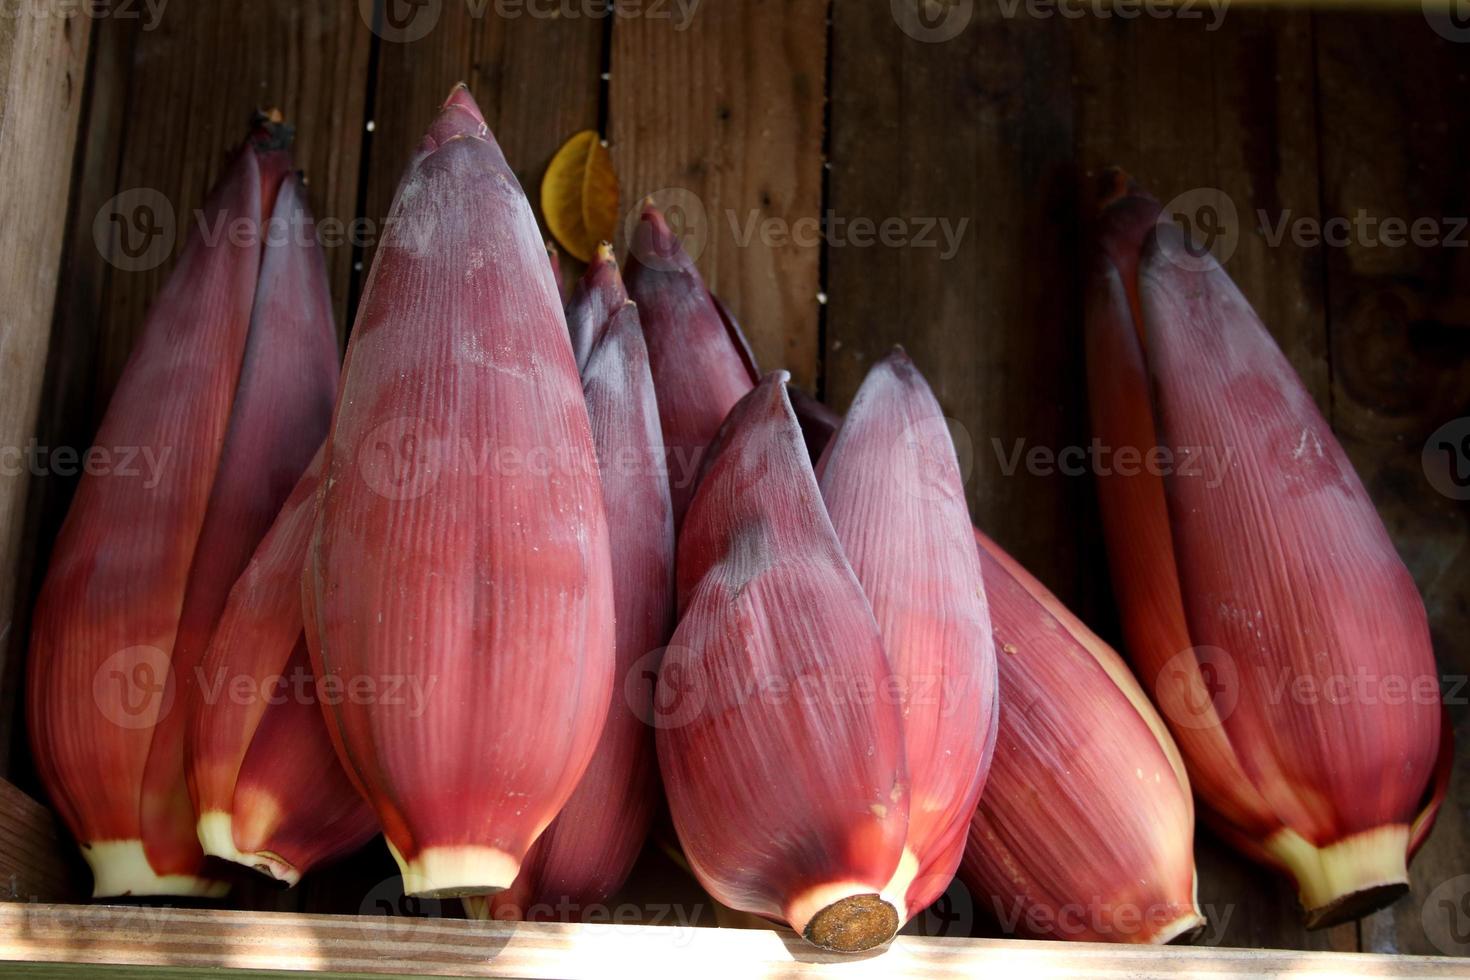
848	917
853	924
1346	879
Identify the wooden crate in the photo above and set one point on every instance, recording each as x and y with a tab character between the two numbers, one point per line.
761	111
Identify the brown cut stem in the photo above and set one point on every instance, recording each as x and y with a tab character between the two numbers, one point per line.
853	924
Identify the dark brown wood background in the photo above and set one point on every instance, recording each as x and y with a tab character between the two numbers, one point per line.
762	109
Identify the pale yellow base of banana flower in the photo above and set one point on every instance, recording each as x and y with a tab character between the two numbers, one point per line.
1347	878
456	872
258	818
897	890
120	867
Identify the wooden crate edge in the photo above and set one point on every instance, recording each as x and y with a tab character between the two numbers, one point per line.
100	940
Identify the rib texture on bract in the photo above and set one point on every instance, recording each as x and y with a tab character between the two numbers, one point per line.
1285	568
461	542
283	403
587	852
143	561
893	489
781	758
1086	829
700	368
266	783
1266	518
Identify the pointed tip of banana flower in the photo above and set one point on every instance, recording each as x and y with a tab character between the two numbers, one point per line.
1126	214
458	118
596	299
1114	184
269	131
459	97
268	140
655	242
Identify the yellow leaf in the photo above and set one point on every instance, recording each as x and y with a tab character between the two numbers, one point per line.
579	195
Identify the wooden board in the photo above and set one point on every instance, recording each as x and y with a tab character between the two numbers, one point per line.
42	70
1395	146
718	115
37	863
536	78
42	941
975	135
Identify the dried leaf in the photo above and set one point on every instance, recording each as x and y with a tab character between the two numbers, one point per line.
579	195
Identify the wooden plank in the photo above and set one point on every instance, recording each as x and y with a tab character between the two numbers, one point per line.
33	854
716	111
1395	145
1224	119
193	83
536	78
69	401
972	139
42	68
60	940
